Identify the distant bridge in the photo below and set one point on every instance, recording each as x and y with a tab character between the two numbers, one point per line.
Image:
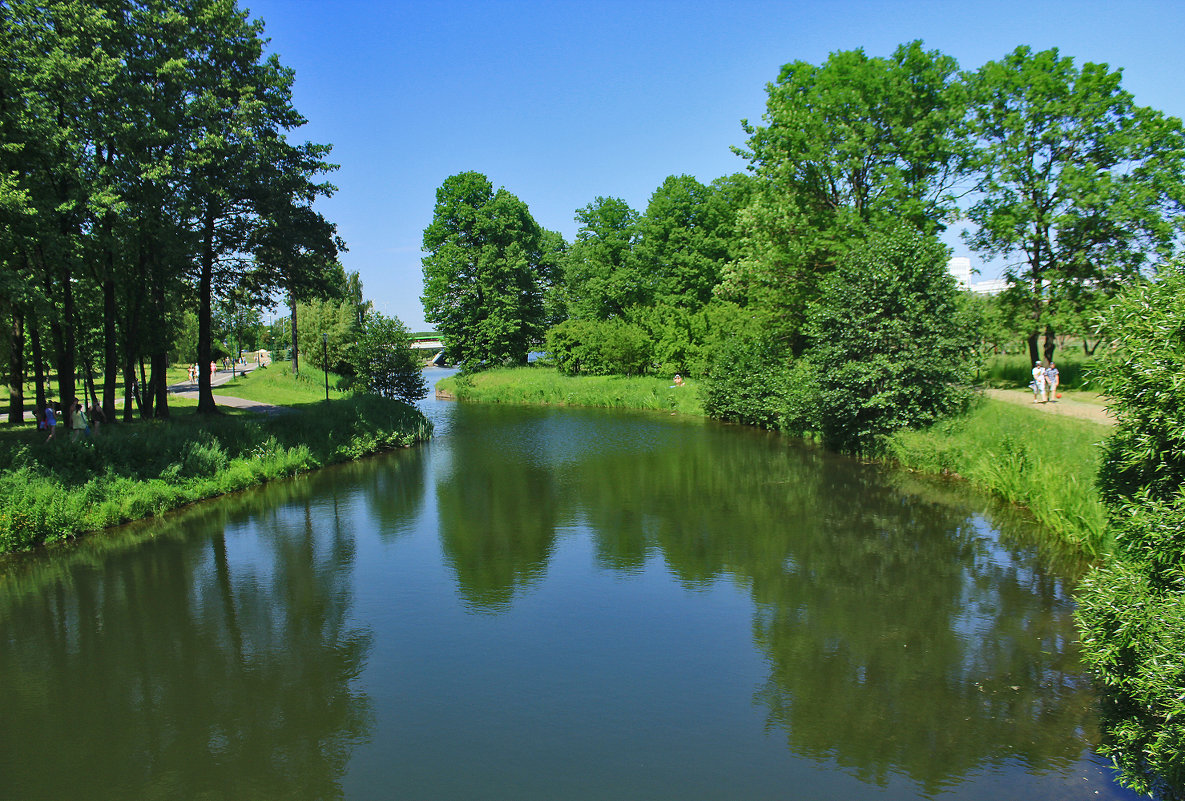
429	342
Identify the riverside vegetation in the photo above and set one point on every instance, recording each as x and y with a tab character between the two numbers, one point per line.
58	490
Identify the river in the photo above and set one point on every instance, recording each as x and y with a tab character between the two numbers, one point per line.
555	604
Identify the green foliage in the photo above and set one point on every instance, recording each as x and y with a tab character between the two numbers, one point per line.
748	382
1132	613
1075	178
1133	639
856	141
599	347
1144	376
484	272
600	275
888	341
384	362
335	318
536	384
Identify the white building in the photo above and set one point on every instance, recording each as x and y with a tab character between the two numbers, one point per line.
960	268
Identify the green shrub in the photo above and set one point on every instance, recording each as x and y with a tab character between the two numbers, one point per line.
1132	610
599	347
888	340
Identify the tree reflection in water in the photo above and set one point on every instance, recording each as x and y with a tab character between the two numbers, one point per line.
212	677
902	636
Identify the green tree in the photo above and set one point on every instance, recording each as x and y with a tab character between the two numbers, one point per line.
1077	182
384	362
856	142
683	242
337	320
888	342
483	272
1132	609
600	278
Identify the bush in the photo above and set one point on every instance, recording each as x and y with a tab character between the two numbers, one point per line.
888	340
1132	610
599	347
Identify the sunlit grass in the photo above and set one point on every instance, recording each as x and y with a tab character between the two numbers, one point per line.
545	385
1045	462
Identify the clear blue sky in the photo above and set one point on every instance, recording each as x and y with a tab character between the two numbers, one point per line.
563	101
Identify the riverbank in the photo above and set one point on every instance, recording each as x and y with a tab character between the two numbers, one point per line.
1044	462
61	489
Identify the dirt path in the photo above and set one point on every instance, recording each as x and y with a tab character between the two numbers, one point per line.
1067	406
238	403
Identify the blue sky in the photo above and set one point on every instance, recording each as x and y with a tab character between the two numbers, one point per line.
562	101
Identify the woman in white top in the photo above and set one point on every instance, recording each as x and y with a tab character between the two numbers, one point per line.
1038	384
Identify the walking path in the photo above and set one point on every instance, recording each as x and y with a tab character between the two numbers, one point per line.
1067	406
189	389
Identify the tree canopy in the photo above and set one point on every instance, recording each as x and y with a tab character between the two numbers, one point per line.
484	272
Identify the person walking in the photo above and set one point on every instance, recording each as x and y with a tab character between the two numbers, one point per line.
51	419
1052	379
96	414
1038	384
78	423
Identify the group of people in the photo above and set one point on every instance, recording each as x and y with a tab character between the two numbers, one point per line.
79	422
1045	381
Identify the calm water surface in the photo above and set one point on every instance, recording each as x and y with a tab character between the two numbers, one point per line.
554	604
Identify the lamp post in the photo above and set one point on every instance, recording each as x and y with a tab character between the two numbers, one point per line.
325	361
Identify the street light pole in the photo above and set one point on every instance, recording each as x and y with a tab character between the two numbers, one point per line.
325	361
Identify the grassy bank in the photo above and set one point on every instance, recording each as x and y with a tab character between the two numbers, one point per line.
51	491
547	386
1044	462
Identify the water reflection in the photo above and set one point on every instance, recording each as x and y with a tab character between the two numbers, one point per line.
193	665
577	605
903	635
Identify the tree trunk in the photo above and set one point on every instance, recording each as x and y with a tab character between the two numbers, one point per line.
1034	348
16	368
110	351
145	396
295	351
38	361
206	403
1050	343
159	384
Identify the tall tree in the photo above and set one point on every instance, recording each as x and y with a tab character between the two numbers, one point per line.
482	274
684	239
1079	182
854	142
600	279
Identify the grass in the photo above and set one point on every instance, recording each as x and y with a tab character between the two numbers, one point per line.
57	490
277	385
1044	462
545	385
1015	371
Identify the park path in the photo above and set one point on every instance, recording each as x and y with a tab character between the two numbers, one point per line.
189	389
1067	406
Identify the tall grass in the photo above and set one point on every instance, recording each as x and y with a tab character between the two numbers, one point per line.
1014	370
545	385
1043	462
50	491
